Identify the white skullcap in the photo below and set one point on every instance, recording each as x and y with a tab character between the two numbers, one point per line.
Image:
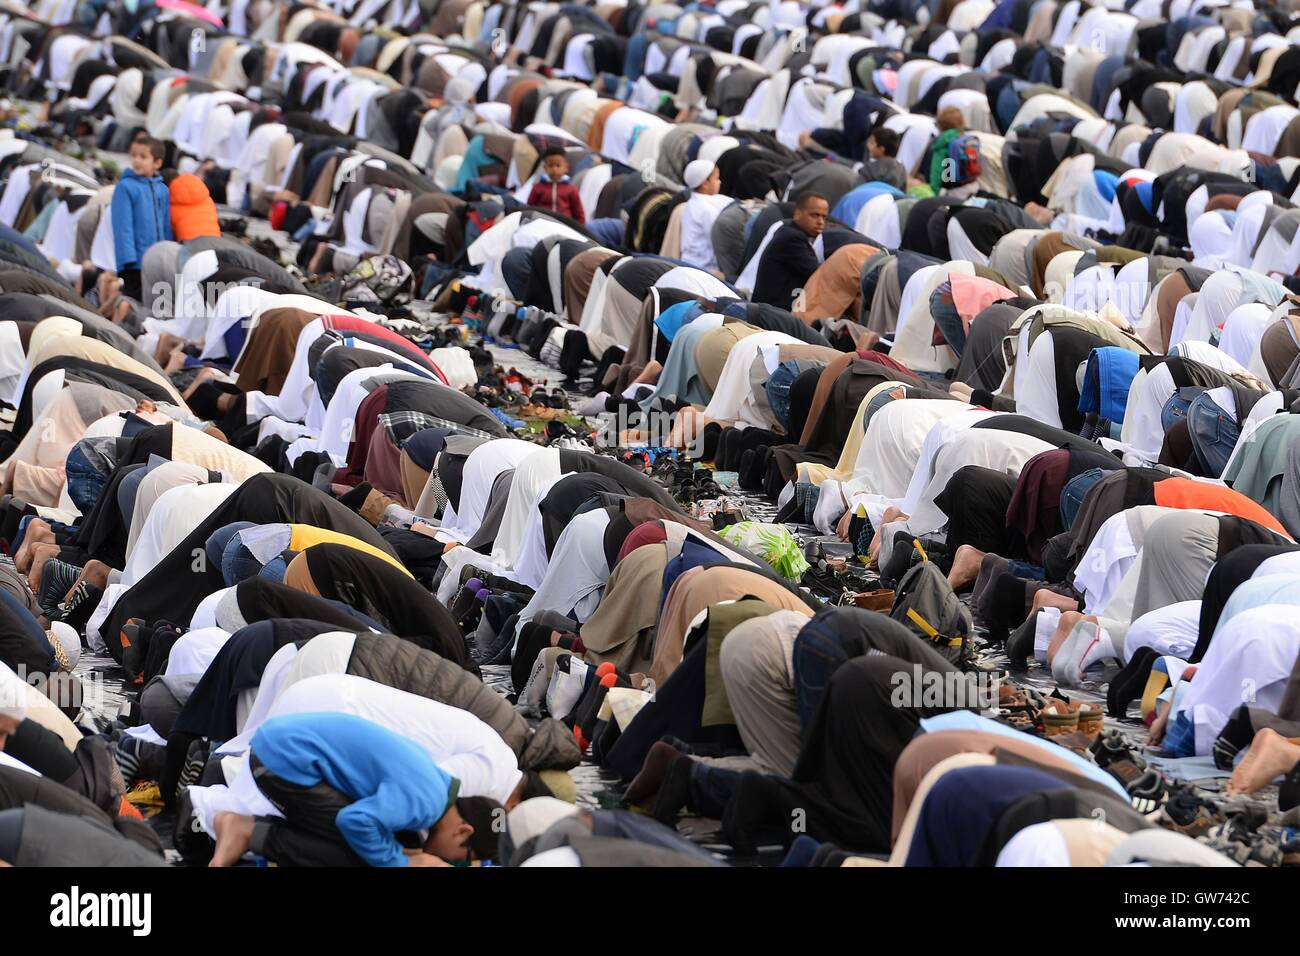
697	172
71	641
458	90
532	817
447	171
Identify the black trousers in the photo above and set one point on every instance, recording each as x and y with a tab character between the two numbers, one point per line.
307	836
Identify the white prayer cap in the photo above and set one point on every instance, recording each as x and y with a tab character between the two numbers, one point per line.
459	90
697	172
70	641
533	817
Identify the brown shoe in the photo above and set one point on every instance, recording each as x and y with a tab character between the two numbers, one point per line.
1059	718
1090	720
881	600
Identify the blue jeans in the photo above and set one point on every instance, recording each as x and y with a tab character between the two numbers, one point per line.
946	318
215	546
239	564
1180	739
778	390
817	655
1214	434
1073	493
1176	408
85	482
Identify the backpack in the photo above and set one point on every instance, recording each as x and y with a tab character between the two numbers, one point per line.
925	603
964	156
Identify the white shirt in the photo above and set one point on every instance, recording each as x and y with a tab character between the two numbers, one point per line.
461	744
698	216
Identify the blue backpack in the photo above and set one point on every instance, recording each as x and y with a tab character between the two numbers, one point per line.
964	159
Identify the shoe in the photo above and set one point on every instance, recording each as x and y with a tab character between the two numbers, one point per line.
131	641
881	600
1059	718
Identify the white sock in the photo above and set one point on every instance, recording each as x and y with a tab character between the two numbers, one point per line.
1044	628
594	405
1087	646
567	685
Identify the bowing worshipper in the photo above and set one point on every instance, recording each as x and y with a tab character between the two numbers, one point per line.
544	746
331	789
382	591
789	259
461	745
701	211
173	589
544	831
843	778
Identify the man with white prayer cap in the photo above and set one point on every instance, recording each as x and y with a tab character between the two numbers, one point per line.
700	212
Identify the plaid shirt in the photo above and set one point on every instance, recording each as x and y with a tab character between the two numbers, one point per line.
402	425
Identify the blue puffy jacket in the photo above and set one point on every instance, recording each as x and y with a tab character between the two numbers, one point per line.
141	216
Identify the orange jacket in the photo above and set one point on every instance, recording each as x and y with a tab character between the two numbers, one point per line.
194	213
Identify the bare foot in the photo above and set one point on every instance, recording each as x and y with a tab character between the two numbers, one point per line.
38	532
1046	597
40	554
892	514
1041	213
95	572
842	527
649	375
203	375
1270	756
1157	732
965	567
234	832
314	266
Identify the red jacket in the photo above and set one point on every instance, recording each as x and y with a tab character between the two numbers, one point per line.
559	197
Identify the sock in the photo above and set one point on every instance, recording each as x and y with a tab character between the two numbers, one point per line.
982	592
1044	628
1126	686
1236	735
1087	646
568	682
1020	644
1156	682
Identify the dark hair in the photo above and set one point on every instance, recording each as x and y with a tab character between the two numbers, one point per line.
555	151
482	813
155	146
887	140
804	199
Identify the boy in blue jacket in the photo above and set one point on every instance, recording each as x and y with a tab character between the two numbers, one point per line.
346	787
141	212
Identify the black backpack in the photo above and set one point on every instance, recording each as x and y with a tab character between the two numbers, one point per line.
925	602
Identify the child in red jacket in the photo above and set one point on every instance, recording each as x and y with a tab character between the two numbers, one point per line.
554	191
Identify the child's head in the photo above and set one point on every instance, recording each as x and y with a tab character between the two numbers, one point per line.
147	155
702	176
465	831
555	163
882	144
950	118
